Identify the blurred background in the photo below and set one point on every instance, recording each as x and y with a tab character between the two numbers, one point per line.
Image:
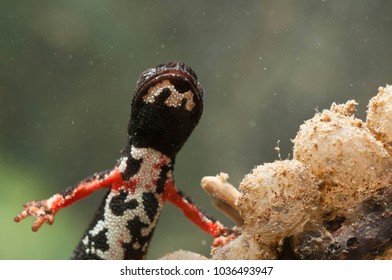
69	68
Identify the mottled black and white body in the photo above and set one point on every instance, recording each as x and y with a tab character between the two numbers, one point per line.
123	226
166	107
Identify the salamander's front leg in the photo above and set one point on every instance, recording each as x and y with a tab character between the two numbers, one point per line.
196	214
45	210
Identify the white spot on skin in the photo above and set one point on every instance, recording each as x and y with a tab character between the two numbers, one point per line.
98	227
85	242
123	164
175	98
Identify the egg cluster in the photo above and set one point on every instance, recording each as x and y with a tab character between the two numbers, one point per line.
340	164
340	149
287	197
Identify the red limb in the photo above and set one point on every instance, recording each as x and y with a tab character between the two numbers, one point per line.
191	211
45	210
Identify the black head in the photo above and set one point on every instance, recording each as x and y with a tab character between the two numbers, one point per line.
166	107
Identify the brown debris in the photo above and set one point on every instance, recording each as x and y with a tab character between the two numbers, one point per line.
223	195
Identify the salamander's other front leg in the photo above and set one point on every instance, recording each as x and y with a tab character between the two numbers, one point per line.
45	210
193	212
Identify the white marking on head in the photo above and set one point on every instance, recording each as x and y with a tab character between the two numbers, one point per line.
175	98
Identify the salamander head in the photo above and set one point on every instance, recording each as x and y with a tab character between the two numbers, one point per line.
166	107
